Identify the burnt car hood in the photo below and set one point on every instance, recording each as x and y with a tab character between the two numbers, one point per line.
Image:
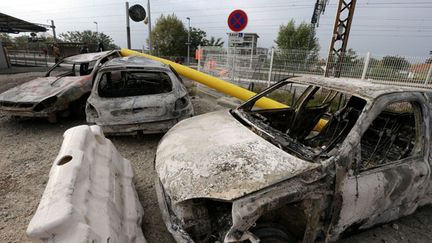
39	89
215	156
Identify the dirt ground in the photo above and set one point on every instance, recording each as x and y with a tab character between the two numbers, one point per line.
29	146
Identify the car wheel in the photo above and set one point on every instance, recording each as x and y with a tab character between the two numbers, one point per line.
78	107
52	118
273	233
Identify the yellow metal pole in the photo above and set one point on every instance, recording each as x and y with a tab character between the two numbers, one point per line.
210	81
217	84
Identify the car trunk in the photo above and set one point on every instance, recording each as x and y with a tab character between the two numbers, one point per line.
133	109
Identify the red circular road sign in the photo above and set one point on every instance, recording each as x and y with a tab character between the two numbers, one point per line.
237	20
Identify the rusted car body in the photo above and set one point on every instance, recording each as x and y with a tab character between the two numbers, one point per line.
137	94
65	87
272	175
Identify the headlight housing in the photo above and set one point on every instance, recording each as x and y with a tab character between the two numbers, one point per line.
46	103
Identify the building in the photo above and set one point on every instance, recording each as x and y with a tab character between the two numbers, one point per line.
243	43
9	24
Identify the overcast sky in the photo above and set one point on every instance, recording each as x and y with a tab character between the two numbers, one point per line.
383	27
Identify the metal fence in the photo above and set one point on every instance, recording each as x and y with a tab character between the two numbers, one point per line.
29	58
278	64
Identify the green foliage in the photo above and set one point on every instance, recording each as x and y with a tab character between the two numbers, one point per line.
301	37
395	62
5	38
352	65
214	42
429	60
23	41
169	36
90	38
298	47
198	38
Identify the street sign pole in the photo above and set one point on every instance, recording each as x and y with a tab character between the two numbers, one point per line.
128	26
188	42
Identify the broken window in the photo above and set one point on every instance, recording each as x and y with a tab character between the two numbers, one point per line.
65	69
294	128
391	136
133	83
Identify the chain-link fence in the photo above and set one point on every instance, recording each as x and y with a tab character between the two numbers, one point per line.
275	65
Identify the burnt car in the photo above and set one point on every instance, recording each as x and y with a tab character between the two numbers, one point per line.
65	88
342	156
137	94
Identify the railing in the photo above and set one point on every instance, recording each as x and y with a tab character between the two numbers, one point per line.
278	64
29	58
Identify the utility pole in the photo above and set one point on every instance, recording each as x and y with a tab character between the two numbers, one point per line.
319	9
339	42
128	26
149	27
188	42
53	30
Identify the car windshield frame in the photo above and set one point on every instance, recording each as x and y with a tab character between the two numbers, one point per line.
245	114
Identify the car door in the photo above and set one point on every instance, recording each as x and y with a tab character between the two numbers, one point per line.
391	169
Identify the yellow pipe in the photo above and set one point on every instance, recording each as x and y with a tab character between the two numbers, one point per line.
217	84
210	81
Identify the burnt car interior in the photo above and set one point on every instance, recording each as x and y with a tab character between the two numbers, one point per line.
391	136
292	128
395	134
133	83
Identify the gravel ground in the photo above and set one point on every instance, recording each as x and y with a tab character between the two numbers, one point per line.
29	146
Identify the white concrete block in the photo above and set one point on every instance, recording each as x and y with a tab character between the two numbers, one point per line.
90	196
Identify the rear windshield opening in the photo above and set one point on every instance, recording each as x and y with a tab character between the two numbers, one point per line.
133	83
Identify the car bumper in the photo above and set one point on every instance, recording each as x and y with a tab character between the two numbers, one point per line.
145	128
24	112
179	234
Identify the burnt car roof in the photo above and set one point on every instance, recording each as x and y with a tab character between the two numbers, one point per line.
135	62
365	89
86	57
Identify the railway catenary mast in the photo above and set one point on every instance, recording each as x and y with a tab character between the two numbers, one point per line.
339	42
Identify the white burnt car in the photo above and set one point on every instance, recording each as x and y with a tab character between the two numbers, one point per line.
65	88
343	155
137	94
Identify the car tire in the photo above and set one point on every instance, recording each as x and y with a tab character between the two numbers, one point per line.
273	233
78	107
52	118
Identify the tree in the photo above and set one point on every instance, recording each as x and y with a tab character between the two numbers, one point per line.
298	47
301	37
395	62
198	38
215	42
169	36
352	65
89	37
429	60
5	38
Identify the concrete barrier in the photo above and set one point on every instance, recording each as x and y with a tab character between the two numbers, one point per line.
90	196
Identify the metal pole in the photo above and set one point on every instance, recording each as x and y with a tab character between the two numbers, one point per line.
53	29
251	56
271	67
341	31
149	27
128	26
188	42
97	30
429	75
199	58
366	66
